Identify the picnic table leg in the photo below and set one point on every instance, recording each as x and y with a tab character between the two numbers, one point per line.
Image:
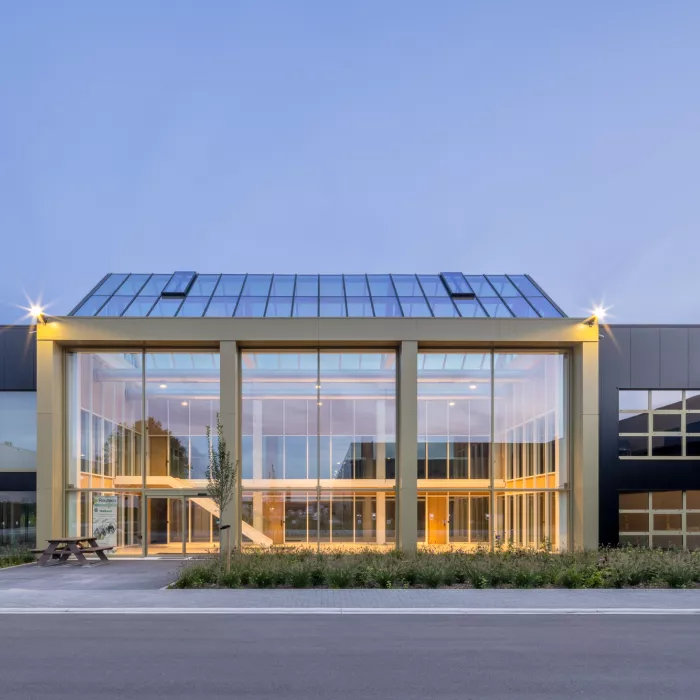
100	555
48	554
76	549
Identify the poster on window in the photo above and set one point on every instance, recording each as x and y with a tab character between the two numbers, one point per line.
104	520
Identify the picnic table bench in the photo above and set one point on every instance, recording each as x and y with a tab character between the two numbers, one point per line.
62	548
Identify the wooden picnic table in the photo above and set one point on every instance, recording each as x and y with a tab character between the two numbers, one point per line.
62	548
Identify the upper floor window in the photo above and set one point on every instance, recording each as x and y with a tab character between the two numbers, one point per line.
17	431
659	423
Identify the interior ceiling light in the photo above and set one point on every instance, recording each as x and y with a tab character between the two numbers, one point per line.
472	386
163	386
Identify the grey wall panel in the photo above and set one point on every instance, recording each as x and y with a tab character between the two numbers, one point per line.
694	359
614	358
674	348
17	358
645	358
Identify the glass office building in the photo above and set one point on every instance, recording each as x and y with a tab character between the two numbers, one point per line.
437	410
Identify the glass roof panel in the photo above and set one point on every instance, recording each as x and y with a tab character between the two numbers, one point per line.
415	307
433	286
480	285
386	306
115	306
165	307
360	307
456	283
332	286
356	286
110	285
257	286
251	307
469	308
503	286
203	286
179	284
381	286
222	307
305	306
132	285
282	286
229	286
443	307
407	286
193	306
525	286
307	286
520	307
155	285
91	306
279	307
495	308
545	307
333	307
140	307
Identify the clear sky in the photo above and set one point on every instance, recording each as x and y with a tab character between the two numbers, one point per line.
555	138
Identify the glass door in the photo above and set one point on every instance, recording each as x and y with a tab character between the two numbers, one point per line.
166	521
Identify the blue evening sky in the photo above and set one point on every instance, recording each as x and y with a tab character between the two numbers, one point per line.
555	138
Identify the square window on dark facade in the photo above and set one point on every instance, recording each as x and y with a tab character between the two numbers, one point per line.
666	446
633	446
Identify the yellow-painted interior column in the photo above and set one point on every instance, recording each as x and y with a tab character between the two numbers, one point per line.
230	403
407	447
49	454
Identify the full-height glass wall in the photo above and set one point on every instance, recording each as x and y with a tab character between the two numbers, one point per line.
137	451
318	447
492	449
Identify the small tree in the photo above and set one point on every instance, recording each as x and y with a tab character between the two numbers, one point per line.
221	478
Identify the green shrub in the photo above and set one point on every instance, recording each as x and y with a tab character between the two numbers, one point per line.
299	576
340	577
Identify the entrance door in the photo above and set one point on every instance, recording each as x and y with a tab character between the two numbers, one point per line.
273	517
166	519
437	519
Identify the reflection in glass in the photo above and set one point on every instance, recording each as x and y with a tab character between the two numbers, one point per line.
110	285
667	400
360	307
203	286
155	285
544	307
17	431
503	286
634	423
307	286
520	307
356	286
165	307
480	285
433	286
115	306
381	286
469	308
495	308
18	519
91	306
257	286
282	286
332	286
525	286
333	307
133	284
140	307
193	306
306	307
407	286
222	306
279	307
634	400
386	306
229	286
415	307
251	307
443	307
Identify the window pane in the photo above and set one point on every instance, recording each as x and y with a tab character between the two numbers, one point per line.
229	286
386	306
692	522
110	285
193	306
332	286
251	307
692	400
133	285
305	306
666	446
633	446
456	283
380	285
282	286
634	522
634	423
154	286
480	286
179	283
503	286
279	307
333	307
520	308
17	432
140	307
115	306
203	286
544	307
165	307
525	286
433	286
415	307
307	286
222	306
356	286
256	285
667	400
668	541
495	308
359	307
692	445
443	307
634	400
668	521
667	422
407	285
634	501
470	308
634	540
91	306
667	500
692	500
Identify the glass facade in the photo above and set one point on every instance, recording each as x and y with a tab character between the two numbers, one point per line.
449	294
17	431
17	518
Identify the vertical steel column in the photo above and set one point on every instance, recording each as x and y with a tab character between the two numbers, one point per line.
407	444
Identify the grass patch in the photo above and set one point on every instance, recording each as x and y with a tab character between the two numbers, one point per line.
510	568
15	556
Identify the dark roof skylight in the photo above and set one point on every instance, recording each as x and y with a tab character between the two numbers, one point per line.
447	294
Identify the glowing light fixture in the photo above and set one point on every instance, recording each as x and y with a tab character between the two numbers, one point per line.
598	314
163	386
37	313
472	386
452	403
184	403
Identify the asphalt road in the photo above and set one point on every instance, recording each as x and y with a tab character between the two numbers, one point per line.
303	657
